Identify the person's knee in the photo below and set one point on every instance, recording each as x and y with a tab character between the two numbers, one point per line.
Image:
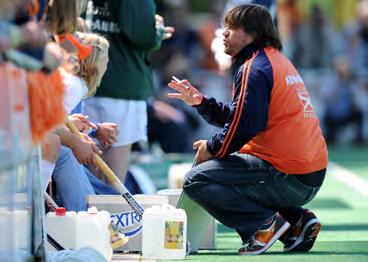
50	148
65	153
192	180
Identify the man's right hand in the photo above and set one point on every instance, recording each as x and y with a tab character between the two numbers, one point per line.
187	92
84	150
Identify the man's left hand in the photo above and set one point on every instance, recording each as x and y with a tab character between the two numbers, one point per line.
202	152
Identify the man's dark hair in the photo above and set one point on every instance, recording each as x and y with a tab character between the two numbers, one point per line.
256	21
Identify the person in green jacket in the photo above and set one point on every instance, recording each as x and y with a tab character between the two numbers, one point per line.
133	30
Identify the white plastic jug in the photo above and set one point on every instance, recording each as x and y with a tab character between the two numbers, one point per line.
164	233
61	225
22	228
92	231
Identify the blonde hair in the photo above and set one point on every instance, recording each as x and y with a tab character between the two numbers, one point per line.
89	71
63	16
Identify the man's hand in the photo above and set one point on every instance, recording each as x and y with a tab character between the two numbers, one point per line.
81	122
107	133
202	152
187	92
168	30
84	150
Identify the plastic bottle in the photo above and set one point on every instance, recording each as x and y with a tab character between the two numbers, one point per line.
61	226
92	231
22	229
164	233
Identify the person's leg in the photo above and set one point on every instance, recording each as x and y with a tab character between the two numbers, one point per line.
244	192
302	235
305	225
291	214
234	190
117	158
131	118
99	187
165	129
72	184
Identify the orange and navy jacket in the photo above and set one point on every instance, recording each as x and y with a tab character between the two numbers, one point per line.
270	115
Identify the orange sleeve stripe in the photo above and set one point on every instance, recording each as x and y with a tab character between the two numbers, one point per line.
243	90
233	92
238	111
218	155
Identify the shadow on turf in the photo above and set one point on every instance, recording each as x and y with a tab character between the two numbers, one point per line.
325	248
345	227
328	203
340	227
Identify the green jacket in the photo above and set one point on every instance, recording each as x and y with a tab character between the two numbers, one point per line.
129	25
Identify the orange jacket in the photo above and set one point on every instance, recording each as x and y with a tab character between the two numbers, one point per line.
292	141
270	115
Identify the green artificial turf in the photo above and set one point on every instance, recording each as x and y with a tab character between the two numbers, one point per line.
354	159
343	213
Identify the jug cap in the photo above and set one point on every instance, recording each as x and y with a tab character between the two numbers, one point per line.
92	210
60	211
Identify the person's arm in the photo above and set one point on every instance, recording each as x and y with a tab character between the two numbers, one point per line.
137	23
202	153
83	149
248	115
215	113
50	147
82	122
27	34
66	137
107	134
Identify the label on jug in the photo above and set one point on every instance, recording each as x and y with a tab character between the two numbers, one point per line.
129	222
174	235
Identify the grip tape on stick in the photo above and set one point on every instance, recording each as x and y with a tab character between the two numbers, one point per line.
111	177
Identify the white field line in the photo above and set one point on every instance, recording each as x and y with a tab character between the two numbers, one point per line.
349	178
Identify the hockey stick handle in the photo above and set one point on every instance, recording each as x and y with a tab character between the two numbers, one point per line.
50	202
110	175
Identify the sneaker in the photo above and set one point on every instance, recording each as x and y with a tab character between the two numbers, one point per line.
301	237
264	238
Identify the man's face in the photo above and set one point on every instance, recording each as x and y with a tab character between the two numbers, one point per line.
235	40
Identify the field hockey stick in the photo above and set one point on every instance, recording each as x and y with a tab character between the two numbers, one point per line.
111	177
50	202
52	206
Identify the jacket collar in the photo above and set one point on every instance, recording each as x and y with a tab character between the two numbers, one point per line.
244	54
